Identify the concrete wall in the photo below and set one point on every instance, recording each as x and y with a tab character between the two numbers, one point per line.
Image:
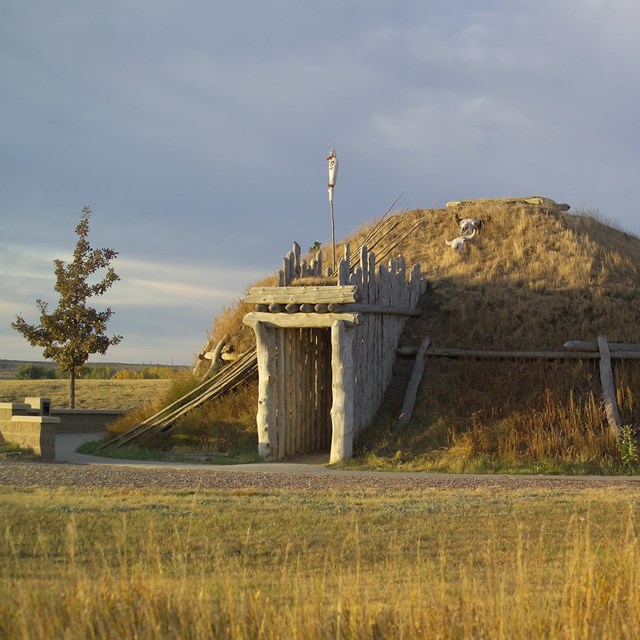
24	424
84	420
35	432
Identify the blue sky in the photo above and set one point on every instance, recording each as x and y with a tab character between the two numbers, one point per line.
197	132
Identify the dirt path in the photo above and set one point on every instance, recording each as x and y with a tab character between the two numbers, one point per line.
52	475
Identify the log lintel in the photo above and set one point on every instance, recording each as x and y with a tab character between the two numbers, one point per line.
301	320
311	294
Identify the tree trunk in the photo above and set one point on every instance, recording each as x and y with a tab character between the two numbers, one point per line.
72	388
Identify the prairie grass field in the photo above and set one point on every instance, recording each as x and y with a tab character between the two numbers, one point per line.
90	394
353	563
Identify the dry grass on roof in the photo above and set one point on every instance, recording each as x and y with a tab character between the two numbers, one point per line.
318	281
531	279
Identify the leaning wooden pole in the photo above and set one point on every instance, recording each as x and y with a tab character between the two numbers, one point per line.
376	227
412	388
387	250
608	387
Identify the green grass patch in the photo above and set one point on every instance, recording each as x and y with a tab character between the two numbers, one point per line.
521	417
240	455
12	451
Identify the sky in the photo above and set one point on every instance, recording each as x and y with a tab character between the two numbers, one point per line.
197	131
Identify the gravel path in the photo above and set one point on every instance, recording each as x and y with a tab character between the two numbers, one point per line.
52	475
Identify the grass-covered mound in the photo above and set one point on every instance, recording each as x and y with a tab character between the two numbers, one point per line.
531	280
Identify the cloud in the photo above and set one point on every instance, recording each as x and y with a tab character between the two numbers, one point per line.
197	133
149	283
165	309
444	124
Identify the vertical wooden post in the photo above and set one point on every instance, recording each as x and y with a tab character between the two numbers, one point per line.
342	388
290	385
295	391
282	374
305	363
374	329
266	416
414	281
318	406
325	382
364	265
297	270
608	387
343	272
323	408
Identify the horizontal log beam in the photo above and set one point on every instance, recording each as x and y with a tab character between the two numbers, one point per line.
302	295
539	201
581	345
375	308
518	355
301	320
476	353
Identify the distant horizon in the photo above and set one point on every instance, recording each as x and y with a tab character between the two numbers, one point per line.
90	363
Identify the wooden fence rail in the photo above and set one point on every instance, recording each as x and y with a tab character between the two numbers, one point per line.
601	350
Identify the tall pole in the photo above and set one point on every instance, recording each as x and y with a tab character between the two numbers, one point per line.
333	233
333	174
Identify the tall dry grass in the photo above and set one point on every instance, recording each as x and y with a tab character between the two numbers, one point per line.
226	425
482	416
531	281
359	564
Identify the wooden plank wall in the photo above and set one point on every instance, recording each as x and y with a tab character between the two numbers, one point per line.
303	400
376	339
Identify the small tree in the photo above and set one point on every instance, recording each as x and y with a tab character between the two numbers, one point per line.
74	330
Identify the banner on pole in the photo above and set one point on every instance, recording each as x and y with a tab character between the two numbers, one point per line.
332	159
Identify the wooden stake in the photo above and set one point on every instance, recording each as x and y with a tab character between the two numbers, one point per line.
608	387
412	387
